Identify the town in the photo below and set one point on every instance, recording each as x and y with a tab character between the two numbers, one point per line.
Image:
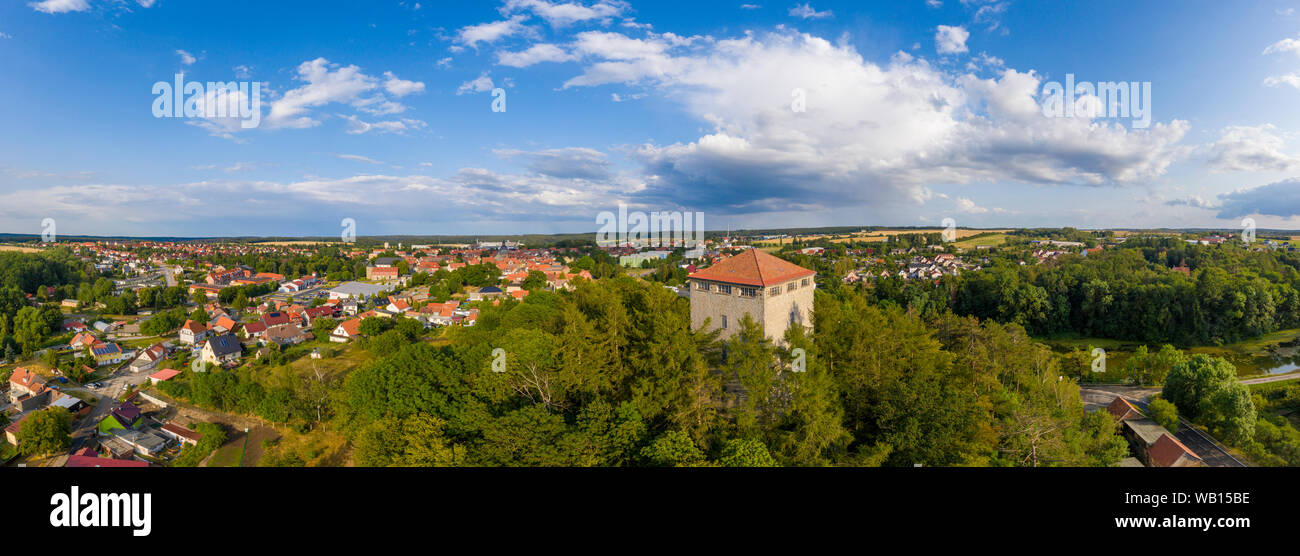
212	353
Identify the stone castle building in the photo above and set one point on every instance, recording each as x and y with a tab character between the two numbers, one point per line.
773	292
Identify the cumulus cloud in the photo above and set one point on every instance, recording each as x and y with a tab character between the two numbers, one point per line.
494	31
870	132
561	14
186	58
1275	199
60	6
1249	149
482	84
950	40
806	11
566	163
326	83
535	54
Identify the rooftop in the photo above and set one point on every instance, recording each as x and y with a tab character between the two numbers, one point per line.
753	268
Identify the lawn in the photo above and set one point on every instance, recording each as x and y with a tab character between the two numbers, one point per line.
992	240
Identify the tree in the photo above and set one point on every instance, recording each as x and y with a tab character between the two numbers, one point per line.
535	281
1206	390
746	453
1164	413
240	302
673	449
48	431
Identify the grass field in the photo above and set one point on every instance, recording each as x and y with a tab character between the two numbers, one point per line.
19	249
991	241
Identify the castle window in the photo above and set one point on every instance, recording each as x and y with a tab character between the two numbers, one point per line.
774	291
724	321
702	286
749	292
791	287
724	289
805	282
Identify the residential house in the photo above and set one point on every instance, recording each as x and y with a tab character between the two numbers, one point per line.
125	416
346	331
220	350
193	333
181	434
28	390
148	358
109	354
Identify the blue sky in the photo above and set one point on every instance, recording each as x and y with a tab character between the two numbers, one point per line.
913	111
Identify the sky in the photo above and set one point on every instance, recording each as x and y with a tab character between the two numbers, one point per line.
534	116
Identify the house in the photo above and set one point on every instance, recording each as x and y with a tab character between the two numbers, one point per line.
773	292
193	333
82	340
125	416
223	324
396	305
87	457
28	390
346	331
382	273
219	350
148	358
181	434
288	335
11	431
163	376
108	354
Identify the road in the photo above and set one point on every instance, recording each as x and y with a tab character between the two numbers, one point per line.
114	385
1211	452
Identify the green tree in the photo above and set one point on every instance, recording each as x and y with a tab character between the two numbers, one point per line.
45	432
1164	413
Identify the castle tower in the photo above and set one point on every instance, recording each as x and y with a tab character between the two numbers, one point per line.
773	292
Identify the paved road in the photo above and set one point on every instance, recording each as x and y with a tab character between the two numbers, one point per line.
1213	453
114	385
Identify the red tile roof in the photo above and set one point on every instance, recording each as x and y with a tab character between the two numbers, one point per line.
165	374
753	268
1121	409
1167	450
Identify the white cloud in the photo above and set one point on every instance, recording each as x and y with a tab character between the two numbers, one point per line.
870	133
561	14
358	158
494	31
325	83
400	87
950	40
535	54
1292	79
482	84
60	6
357	127
186	58
806	11
1284	45
1249	149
